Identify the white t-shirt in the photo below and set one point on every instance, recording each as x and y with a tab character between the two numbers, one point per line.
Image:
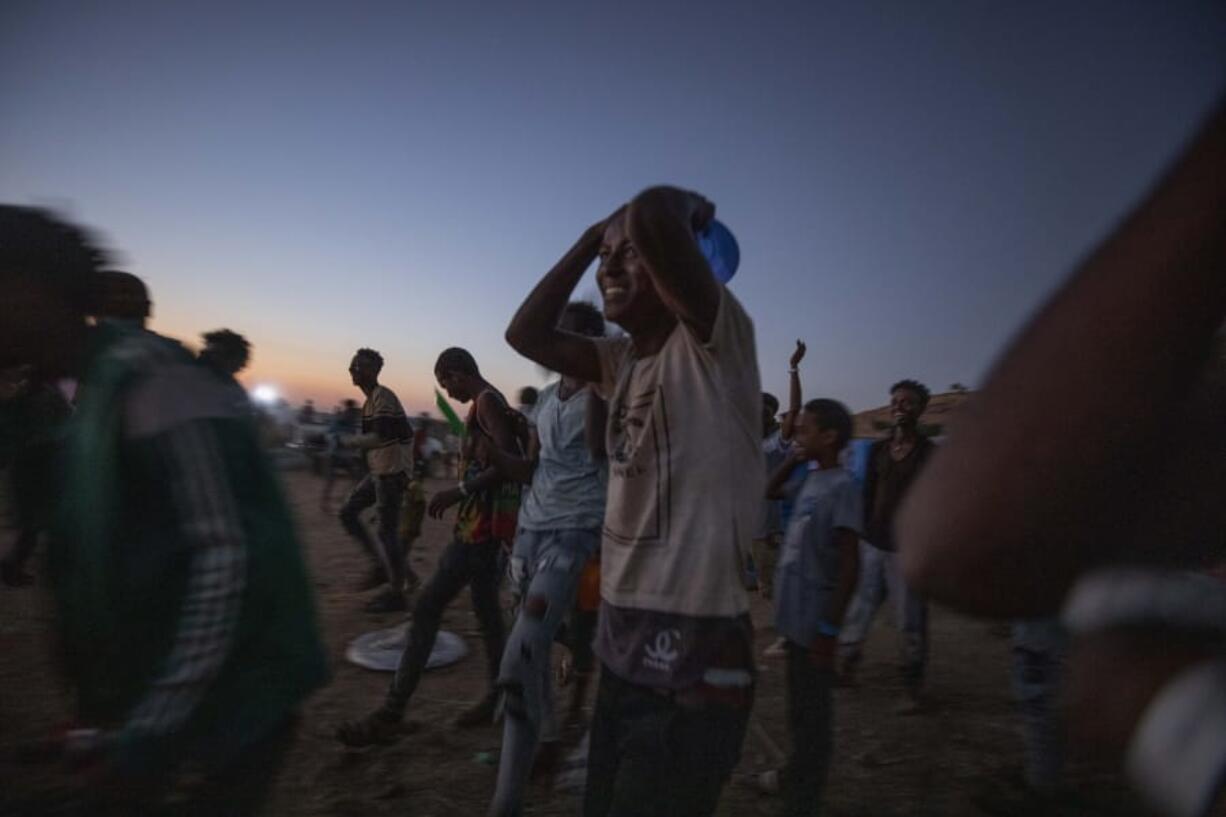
685	468
568	486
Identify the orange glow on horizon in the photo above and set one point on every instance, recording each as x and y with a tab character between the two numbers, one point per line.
322	378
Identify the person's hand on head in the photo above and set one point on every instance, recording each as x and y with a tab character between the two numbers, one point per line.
797	355
600	226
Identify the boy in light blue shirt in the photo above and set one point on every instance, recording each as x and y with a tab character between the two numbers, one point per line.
814	581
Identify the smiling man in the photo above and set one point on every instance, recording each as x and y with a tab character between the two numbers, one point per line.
893	464
685	487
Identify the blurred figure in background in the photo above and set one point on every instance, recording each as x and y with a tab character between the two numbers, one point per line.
776	442
226	353
528	398
413	513
559	531
893	464
782	510
488	506
187	624
386	439
345	421
37	415
121	296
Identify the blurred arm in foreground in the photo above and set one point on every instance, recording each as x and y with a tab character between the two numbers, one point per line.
1053	467
1096	442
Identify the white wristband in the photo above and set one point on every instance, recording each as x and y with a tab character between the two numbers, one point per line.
1177	755
1129	597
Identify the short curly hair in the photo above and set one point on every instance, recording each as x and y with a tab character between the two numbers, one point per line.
457	360
832	415
913	386
229	343
374	357
586	317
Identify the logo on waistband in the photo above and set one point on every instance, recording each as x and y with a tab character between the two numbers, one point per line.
663	653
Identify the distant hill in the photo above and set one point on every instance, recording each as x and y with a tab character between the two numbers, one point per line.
935	421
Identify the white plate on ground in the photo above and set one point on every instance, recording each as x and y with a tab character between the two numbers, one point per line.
380	650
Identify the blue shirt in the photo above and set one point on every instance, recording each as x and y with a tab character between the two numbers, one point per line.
809	558
569	486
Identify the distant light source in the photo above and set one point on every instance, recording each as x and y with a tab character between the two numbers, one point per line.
264	394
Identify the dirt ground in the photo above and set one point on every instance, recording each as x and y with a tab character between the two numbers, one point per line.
957	758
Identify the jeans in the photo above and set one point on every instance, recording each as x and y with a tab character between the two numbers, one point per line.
546	565
1039	648
651	756
385	493
461	563
811	722
879	577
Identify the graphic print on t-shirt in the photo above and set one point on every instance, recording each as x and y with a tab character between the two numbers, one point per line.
639	458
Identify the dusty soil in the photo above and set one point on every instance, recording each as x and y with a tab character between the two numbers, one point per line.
957	758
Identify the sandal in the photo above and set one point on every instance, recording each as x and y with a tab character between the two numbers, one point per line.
379	728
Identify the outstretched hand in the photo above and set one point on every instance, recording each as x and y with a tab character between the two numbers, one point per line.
797	355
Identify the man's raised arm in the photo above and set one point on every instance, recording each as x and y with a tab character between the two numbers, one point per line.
534	331
662	222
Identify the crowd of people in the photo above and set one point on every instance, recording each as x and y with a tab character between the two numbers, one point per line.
656	462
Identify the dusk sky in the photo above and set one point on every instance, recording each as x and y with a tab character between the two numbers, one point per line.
907	180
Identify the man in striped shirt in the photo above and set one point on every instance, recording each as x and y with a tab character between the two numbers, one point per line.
387	440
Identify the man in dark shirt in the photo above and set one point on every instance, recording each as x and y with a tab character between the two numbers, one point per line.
39	415
893	465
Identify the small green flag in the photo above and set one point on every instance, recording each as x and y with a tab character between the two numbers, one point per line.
449	414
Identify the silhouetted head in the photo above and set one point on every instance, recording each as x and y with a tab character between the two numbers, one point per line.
48	270
582	318
456	371
226	351
365	367
770	409
121	296
823	428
